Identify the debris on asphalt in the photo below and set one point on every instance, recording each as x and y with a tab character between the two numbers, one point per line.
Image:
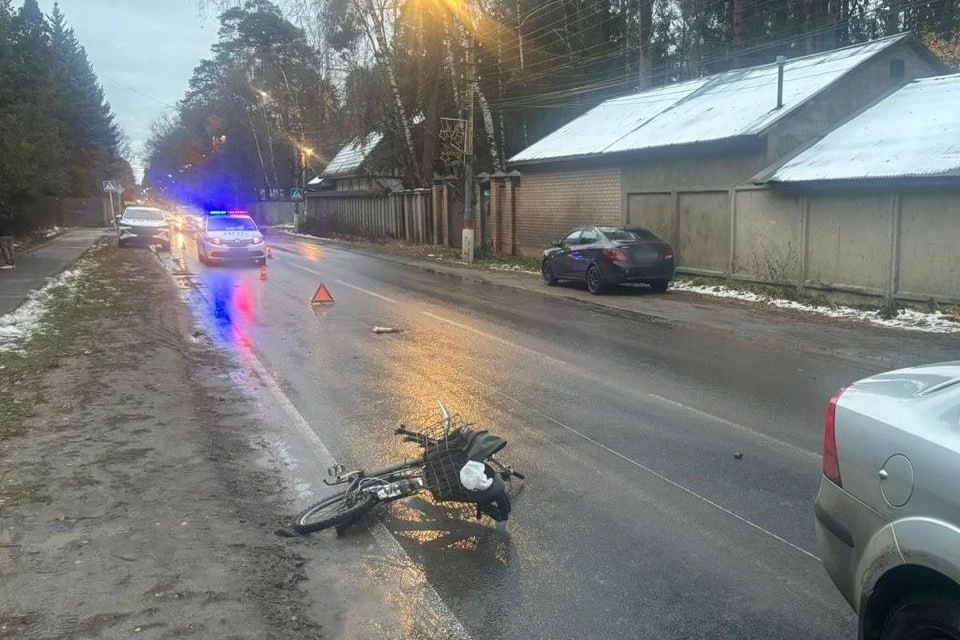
738	455
386	330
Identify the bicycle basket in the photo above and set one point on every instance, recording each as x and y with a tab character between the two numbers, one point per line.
443	459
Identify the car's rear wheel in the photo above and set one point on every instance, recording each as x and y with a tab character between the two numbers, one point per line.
659	285
924	616
546	270
595	282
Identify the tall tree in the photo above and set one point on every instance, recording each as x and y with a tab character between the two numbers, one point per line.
90	136
31	152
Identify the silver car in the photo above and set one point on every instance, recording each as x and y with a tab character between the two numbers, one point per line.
230	236
143	226
888	510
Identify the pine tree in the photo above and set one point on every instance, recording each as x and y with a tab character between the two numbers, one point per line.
31	153
91	138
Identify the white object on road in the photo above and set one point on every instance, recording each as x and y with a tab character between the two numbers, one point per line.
473	476
386	330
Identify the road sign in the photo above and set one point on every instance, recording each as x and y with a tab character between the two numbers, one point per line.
112	186
296	194
322	296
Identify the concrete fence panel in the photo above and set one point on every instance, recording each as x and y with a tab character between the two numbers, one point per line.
928	249
849	241
703	231
768	241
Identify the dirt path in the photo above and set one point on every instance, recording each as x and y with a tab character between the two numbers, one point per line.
130	501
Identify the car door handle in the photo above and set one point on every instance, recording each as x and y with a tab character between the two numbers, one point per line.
883	474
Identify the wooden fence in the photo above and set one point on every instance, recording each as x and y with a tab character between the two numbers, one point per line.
404	215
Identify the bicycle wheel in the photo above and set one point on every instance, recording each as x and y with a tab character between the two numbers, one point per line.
339	510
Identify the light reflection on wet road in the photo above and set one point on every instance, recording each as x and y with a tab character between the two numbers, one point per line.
600	544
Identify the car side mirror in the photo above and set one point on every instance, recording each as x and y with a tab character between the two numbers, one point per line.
557	243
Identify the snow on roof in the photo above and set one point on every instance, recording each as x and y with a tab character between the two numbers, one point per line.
914	132
734	103
606	123
349	159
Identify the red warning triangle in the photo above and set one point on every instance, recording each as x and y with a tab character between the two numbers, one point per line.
322	296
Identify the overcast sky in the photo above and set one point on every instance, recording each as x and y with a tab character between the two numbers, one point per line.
143	51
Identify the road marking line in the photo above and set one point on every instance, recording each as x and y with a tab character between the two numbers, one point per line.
346	284
385	540
647	469
362	290
490	336
778	443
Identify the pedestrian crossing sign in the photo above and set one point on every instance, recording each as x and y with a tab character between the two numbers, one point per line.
296	194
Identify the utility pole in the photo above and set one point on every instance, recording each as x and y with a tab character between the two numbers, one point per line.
467	238
297	217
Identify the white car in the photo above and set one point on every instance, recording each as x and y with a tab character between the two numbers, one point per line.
230	236
144	226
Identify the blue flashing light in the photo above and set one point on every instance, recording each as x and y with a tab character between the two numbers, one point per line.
217	213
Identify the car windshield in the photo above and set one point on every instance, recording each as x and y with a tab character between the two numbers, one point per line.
627	235
151	215
231	223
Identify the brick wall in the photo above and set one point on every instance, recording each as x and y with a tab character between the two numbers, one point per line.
551	203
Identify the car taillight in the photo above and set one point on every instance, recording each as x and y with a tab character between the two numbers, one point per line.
614	254
668	255
831	463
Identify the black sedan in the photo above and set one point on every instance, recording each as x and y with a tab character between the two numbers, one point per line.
601	256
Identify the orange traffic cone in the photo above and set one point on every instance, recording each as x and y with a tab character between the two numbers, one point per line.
263	272
269	253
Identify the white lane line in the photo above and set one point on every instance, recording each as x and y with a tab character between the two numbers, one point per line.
490	336
641	466
366	291
385	540
346	284
776	443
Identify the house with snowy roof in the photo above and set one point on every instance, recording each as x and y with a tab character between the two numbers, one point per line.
678	159
873	207
366	163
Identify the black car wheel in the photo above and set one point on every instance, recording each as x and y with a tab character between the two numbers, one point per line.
595	282
659	285
546	270
925	616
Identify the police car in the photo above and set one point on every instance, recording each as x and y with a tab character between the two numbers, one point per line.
230	236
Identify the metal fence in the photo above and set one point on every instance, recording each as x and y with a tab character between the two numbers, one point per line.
404	215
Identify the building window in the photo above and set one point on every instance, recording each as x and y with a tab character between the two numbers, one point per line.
897	71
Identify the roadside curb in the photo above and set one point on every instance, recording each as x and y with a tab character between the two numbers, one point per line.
480	276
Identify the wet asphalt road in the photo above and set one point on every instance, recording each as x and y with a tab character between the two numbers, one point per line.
636	520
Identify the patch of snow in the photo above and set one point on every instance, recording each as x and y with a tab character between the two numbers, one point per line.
514	268
308	236
909	319
22	323
46	234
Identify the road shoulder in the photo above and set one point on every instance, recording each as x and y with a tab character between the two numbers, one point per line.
133	497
